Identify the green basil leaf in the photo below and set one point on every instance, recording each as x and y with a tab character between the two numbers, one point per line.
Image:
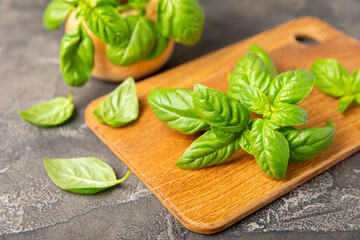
136	2
344	102
352	83
270	65
308	142
251	97
83	10
284	114
176	109
50	113
160	45
209	150
76	56
270	148
140	45
97	3
180	20
55	13
220	110
86	175
245	141
291	87
108	25
120	107
357	99
330	76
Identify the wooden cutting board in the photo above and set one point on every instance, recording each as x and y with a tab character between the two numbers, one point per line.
210	200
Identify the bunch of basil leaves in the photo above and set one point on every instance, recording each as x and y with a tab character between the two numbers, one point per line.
128	39
254	86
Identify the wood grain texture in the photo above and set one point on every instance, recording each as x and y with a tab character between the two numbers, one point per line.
209	200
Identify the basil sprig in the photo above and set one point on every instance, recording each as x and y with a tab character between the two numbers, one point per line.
333	79
253	86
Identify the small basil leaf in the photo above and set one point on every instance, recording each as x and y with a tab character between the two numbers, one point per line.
180	20
220	110
50	113
251	97
270	148
209	150
330	76
76	56
249	63
285	114
55	13
87	175
352	83
245	141
138	47
308	142
120	107
291	87
270	66
176	109
108	25
344	102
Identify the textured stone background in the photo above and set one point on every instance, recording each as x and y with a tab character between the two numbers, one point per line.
32	207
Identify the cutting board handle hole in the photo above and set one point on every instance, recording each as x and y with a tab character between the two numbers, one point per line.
306	40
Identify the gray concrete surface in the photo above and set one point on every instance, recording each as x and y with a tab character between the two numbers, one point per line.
32	207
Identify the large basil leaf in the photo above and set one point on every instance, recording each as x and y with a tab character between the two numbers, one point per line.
180	20
330	76
120	107
344	102
87	175
175	107
251	97
291	87
220	110
50	113
270	148
284	114
209	150
55	13
308	142
245	141
108	25
352	83
138	47
76	57
270	65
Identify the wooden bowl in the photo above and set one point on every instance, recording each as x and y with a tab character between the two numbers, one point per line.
105	70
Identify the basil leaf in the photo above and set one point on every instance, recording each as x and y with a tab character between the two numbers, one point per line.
251	97
352	83
140	45
308	142
108	25
344	102
220	110
270	148
138	1
50	113
76	56
87	175
160	45
176	109
245	141
357	99
120	107
285	114
330	76
291	87
55	13
209	150
180	20
270	65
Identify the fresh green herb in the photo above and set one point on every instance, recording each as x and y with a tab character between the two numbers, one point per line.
333	79
128	40
87	175
120	107
50	113
175	107
270	65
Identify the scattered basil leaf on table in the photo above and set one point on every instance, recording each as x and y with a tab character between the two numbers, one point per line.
308	142
180	20
50	113
209	150
55	13
176	109
270	65
87	175
284	114
120	107
76	56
